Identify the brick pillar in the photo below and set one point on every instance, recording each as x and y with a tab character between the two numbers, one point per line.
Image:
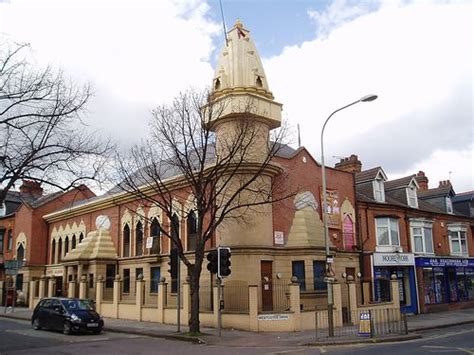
295	303
117	292
186	302
32	293
162	289
83	287
352	299
71	289
42	287
253	308
99	293
139	297
336	291
395	292
51	284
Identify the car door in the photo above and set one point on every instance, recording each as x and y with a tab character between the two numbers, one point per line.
43	313
56	315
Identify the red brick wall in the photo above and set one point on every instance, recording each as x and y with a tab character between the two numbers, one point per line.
299	176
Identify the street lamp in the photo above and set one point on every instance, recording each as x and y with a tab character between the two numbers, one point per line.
366	98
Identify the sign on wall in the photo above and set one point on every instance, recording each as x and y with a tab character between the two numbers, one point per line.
273	317
393	259
333	209
279	238
440	262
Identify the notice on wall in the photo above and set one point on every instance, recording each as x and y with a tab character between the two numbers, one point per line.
279	238
273	317
364	324
332	208
149	242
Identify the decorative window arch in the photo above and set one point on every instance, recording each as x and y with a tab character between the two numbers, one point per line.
53	251
126	240
81	237
20	252
191	230
60	250
139	239
66	245
348	232
73	242
155	235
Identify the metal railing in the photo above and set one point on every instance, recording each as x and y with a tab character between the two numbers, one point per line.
236	296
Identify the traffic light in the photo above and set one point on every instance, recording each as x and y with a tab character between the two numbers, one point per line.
173	263
224	262
212	264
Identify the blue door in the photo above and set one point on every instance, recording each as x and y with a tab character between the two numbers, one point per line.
411	305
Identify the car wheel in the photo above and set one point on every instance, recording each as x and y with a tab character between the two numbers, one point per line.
67	328
36	324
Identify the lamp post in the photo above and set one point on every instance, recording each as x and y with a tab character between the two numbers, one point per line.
366	98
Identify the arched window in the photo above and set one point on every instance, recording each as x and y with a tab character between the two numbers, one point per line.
66	245
53	251
174	229
174	236
259	82
73	242
139	239
81	236
348	232
126	241
20	252
192	230
60	250
155	235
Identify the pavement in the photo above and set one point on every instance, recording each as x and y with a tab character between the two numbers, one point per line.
232	337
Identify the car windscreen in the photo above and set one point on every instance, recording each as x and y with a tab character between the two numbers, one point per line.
74	305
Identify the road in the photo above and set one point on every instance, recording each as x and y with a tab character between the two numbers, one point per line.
17	337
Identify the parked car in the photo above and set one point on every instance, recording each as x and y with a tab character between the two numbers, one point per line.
68	315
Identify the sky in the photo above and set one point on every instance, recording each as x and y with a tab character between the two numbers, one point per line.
318	56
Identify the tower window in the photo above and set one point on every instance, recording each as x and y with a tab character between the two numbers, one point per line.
259	82
217	84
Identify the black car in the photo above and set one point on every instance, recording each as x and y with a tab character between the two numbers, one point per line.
67	314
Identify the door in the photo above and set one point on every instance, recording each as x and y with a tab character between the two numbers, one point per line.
407	290
266	268
59	286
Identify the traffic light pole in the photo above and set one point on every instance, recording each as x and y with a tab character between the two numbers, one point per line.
219	310
178	294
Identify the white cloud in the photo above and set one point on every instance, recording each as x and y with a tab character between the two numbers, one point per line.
416	57
136	54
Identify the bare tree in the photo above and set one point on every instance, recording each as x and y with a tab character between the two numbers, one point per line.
42	137
225	173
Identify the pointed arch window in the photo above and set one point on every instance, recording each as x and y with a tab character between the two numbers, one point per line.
259	82
81	236
73	242
20	252
191	230
60	250
155	235
174	236
66	245
53	251
348	232
139	239
126	241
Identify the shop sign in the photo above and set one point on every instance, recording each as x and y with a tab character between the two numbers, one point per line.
441	262
56	272
273	317
393	259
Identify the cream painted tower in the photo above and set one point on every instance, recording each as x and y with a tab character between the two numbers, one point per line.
244	105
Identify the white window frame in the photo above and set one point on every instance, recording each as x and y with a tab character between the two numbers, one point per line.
460	233
423	225
411	195
449	205
387	222
379	190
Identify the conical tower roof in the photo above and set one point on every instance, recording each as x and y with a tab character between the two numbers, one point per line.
239	65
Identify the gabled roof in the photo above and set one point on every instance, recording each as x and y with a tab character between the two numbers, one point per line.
464	196
403	182
442	191
369	175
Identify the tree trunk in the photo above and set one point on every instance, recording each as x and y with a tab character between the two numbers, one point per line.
194	323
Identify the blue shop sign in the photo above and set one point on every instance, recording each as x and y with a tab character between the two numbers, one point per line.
441	262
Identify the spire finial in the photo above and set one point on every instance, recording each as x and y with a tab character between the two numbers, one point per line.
238	24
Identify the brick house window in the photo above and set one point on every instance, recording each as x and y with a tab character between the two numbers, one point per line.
10	240
2	234
319	271
126	281
379	191
387	231
155	235
192	230
422	237
126	241
457	240
411	197
297	268
139	239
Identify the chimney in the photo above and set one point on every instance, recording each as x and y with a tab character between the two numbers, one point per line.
350	164
422	180
444	183
31	188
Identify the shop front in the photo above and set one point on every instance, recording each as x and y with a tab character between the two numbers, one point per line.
402	265
445	283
